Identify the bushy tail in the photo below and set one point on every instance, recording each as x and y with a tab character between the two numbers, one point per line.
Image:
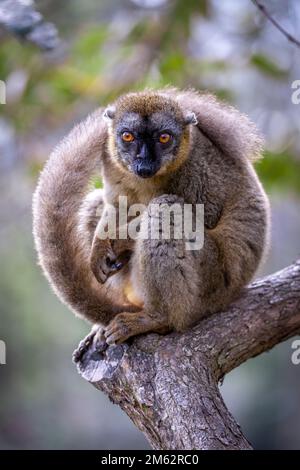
62	248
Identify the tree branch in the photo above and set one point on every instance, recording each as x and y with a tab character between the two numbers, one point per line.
168	385
265	12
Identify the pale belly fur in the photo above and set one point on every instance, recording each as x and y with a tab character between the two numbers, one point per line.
122	284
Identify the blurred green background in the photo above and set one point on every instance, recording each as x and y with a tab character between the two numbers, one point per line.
108	47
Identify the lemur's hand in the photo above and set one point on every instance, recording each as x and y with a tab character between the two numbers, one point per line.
103	260
109	256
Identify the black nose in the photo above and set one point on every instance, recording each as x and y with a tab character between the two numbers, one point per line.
145	169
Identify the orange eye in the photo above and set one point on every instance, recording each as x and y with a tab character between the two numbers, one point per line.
164	138
127	137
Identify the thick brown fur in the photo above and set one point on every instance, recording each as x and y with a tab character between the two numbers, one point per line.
165	285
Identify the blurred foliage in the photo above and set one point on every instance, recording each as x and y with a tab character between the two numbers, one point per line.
279	171
267	66
102	61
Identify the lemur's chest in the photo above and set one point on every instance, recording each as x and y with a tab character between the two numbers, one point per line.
139	193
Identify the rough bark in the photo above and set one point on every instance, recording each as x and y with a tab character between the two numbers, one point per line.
168	385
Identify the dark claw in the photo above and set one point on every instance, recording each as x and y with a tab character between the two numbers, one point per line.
96	335
117	266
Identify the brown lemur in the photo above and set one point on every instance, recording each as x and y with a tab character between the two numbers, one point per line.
159	147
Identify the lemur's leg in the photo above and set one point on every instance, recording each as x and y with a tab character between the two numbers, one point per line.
90	214
166	274
102	257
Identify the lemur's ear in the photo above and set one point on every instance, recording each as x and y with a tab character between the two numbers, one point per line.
191	118
109	113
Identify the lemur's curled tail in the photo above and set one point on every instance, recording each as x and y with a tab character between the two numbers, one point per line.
63	247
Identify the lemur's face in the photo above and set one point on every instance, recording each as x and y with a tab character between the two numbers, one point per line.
147	144
150	143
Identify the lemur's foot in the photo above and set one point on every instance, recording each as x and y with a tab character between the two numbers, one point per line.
127	324
120	328
96	335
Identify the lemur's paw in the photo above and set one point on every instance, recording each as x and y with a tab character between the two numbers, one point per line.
83	347
105	266
122	326
96	335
